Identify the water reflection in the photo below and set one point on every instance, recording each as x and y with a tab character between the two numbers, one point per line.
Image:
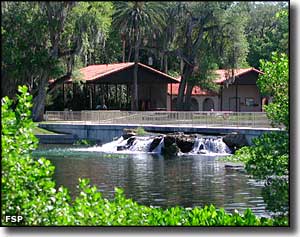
152	180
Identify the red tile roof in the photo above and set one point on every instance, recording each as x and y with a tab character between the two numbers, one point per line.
226	74
197	90
222	76
94	72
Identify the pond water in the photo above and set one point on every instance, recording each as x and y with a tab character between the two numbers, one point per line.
150	179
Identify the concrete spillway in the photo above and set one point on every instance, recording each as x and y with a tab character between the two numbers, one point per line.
142	144
105	133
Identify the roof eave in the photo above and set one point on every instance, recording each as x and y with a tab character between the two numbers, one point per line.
241	74
95	78
172	79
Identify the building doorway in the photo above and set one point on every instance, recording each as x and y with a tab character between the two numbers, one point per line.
194	105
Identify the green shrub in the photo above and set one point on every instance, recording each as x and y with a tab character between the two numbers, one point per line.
140	131
84	142
28	189
267	157
27	186
276	195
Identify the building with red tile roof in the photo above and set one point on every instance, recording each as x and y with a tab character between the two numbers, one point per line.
238	92
99	82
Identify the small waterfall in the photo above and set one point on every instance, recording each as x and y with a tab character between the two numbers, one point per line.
113	146
141	144
154	144
198	146
159	147
210	145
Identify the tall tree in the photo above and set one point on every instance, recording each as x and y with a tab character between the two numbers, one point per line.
41	39
56	15
267	30
89	23
135	18
216	24
198	20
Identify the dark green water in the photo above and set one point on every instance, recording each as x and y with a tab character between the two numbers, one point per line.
152	180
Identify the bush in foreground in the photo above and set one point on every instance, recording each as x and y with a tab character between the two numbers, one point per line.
28	189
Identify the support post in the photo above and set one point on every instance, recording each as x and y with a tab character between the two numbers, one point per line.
85	95
106	100
171	99
91	97
221	94
63	94
236	96
127	95
94	96
73	87
116	94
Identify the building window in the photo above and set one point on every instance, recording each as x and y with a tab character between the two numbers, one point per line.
249	101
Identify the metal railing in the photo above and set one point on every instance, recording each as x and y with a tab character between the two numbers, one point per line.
178	118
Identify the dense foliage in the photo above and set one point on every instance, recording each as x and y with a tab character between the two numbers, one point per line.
275	84
46	40
28	189
268	156
27	186
267	30
50	40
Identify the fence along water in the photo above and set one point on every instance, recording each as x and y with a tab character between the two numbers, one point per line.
192	118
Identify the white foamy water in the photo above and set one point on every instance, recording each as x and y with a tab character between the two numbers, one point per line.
141	144
210	146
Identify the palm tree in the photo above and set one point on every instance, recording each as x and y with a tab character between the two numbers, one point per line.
135	18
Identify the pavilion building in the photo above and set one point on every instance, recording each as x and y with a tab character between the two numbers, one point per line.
112	85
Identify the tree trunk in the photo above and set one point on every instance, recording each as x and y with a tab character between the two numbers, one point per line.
59	81
40	100
188	96
189	55
180	97
123	48
161	62
166	63
57	14
135	98
8	87
187	72
129	54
